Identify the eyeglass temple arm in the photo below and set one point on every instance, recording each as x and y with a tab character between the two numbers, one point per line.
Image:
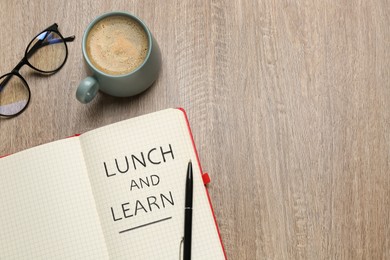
70	38
39	44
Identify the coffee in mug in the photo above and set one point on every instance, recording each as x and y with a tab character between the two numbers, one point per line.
117	45
122	55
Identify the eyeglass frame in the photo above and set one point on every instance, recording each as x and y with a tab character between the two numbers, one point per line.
24	61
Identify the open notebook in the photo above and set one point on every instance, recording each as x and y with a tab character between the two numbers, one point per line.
116	192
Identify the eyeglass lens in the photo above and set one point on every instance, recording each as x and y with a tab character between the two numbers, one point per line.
47	52
14	95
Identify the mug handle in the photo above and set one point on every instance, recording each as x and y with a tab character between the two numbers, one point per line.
87	90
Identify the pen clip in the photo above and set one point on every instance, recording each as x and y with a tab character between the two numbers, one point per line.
180	247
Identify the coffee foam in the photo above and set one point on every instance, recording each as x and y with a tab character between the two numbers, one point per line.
117	45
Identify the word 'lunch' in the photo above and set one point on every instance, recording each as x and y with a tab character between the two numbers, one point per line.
134	161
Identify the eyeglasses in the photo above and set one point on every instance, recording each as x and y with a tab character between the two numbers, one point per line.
46	53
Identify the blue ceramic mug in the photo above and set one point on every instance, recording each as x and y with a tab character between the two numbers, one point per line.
126	84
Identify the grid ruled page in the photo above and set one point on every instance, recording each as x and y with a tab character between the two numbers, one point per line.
137	170
47	210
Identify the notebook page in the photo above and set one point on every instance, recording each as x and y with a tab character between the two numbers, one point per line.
137	170
47	208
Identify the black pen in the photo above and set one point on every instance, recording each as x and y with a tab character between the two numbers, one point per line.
188	213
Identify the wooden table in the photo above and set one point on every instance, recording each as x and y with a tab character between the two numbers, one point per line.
289	102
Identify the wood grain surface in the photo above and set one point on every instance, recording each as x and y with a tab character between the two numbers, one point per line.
289	102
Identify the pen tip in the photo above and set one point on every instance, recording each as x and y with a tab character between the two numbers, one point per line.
190	161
